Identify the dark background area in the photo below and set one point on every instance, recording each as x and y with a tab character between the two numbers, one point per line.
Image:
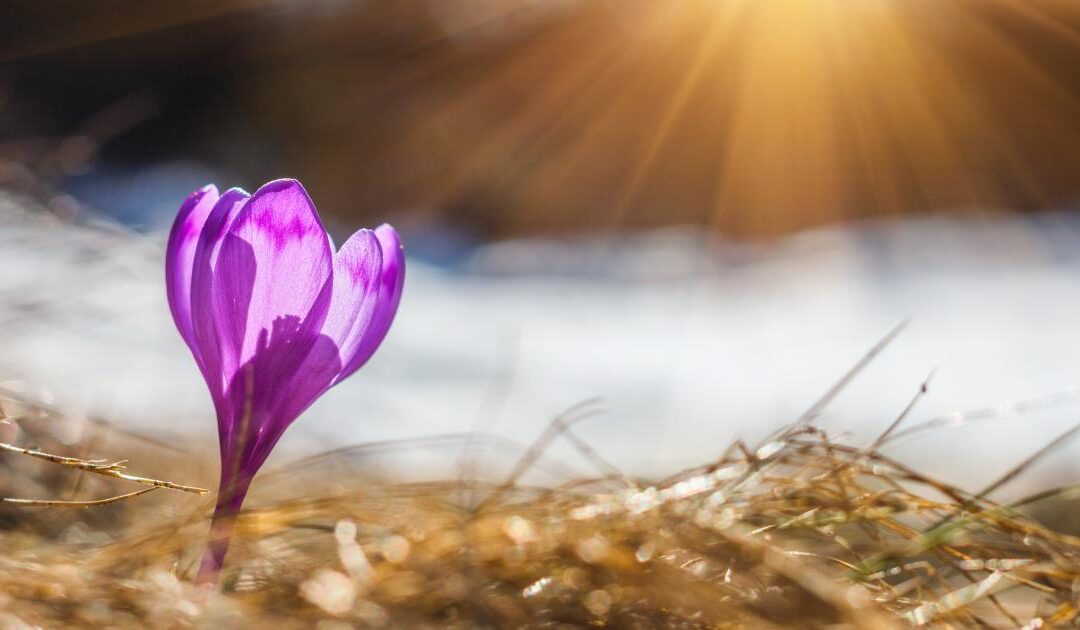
523	117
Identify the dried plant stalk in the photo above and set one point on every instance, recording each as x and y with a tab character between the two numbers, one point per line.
101	467
799	531
74	504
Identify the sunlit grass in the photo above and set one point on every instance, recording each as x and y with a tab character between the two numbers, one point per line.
801	530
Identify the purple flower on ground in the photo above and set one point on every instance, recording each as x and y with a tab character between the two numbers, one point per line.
274	317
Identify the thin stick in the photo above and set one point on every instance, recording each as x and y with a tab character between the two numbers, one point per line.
73	504
601	464
1015	471
850	375
100	467
85	464
997	412
157	483
571	416
923	388
821	403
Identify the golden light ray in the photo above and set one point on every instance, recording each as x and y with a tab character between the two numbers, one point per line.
689	82
753	116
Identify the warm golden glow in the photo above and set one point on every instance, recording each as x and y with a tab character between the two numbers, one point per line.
512	116
759	116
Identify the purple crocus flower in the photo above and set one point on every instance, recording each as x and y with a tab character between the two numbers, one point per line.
274	317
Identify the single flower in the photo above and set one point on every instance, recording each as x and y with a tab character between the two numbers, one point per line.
274	317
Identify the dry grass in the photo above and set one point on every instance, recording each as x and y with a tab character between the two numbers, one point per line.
802	531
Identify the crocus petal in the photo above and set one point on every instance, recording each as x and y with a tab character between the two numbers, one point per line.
357	278
298	360
278	394
292	263
205	257
391	282
179	257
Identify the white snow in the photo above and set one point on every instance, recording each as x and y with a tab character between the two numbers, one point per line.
689	342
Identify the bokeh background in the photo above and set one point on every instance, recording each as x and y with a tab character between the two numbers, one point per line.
702	212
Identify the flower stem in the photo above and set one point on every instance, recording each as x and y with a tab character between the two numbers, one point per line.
231	495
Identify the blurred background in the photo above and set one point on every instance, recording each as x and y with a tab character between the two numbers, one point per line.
702	212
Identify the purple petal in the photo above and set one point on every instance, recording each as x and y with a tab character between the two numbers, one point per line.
179	257
357	276
281	391
205	325
292	264
293	363
205	258
298	360
391	282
